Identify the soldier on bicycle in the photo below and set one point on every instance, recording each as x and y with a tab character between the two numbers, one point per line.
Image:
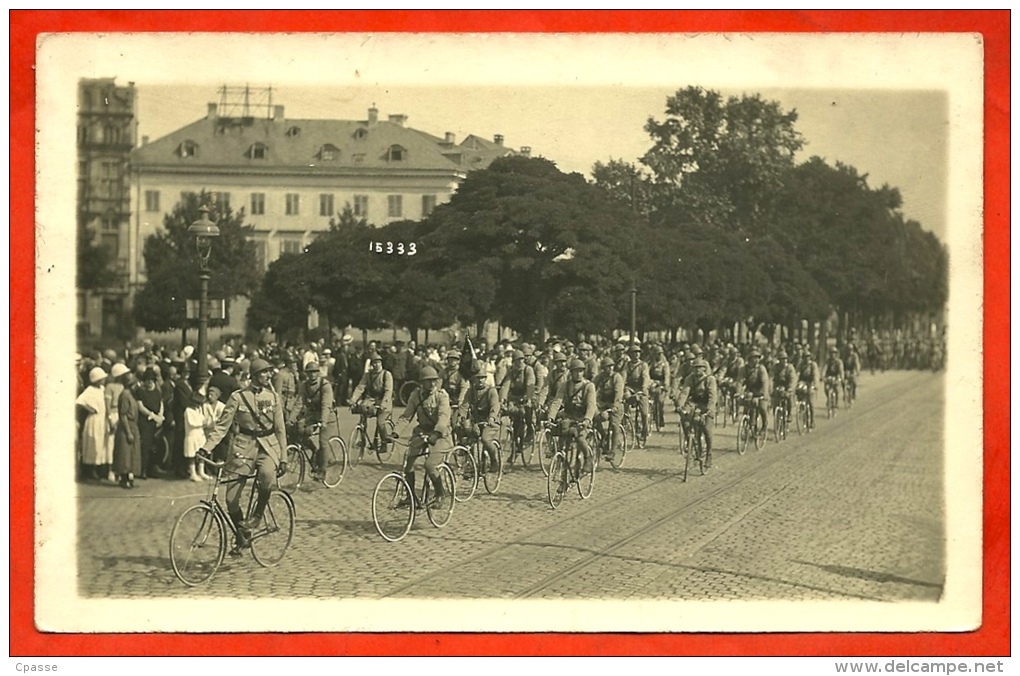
480	412
455	385
609	389
698	392
255	413
576	397
316	394
807	376
517	392
785	379
754	382
429	406
659	372
638	380
834	373
374	395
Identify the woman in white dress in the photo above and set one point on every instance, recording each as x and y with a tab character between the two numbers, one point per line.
92	400
194	433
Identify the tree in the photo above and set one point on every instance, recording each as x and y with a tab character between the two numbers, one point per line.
541	235
282	300
172	266
95	270
721	161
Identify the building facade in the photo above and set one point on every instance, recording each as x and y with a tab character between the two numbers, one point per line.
291	176
107	132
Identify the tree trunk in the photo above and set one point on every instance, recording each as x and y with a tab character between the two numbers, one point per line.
184	335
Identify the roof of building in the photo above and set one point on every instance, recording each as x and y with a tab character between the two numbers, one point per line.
328	146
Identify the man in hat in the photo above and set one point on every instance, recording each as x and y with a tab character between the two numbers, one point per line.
316	394
784	382
591	362
374	395
480	412
834	375
285	383
609	389
541	376
259	440
640	384
557	374
661	384
755	384
698	392
150	419
429	406
575	397
517	393
341	372
455	385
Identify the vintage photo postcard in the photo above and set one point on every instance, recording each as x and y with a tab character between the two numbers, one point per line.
383	332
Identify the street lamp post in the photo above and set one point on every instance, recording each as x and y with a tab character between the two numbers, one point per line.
633	313
204	231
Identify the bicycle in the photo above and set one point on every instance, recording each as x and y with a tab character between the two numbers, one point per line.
849	391
301	455
831	397
749	427
632	410
781	416
547	444
359	437
567	467
694	444
805	412
406	390
517	442
469	461
658	406
198	540
604	442
395	504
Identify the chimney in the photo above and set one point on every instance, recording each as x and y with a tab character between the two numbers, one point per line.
498	138
398	120
373	114
278	113
525	151
211	111
450	138
145	140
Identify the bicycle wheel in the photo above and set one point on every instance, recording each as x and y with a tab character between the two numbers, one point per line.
556	481
161	454
830	405
801	417
406	390
465	473
743	434
776	423
701	442
383	451
586	476
685	451
657	414
440	509
528	448
356	448
270	540
617	459
295	458
392	507
335	463
546	450
198	543
629	433
848	397
491	476
761	433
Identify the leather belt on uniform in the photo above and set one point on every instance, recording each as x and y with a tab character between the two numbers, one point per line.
254	433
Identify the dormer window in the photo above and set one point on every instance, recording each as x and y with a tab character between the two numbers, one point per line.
293	131
188	149
258	151
329	153
360	133
396	154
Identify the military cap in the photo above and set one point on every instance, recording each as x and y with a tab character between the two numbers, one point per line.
577	364
559	356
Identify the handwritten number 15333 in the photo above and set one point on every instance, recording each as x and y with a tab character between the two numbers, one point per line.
398	248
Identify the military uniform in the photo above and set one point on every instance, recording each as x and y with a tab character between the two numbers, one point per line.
318	407
255	415
377	388
609	390
578	403
432	414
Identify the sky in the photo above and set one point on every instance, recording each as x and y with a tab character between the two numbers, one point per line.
896	137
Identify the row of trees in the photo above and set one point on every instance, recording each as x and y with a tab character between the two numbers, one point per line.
716	224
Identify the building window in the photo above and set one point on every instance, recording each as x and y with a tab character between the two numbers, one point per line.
329	153
258	203
222	202
291	245
358	158
258	151
109	237
360	134
188	149
261	254
293	131
396	206
361	206
325	205
293	204
396	154
111	134
152	200
428	203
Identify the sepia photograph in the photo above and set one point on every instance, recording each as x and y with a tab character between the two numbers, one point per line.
375	332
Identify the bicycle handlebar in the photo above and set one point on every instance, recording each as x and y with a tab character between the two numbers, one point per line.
202	457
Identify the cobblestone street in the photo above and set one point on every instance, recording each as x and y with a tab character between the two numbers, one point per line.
854	510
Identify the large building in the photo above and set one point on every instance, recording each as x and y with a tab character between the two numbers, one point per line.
107	132
291	176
